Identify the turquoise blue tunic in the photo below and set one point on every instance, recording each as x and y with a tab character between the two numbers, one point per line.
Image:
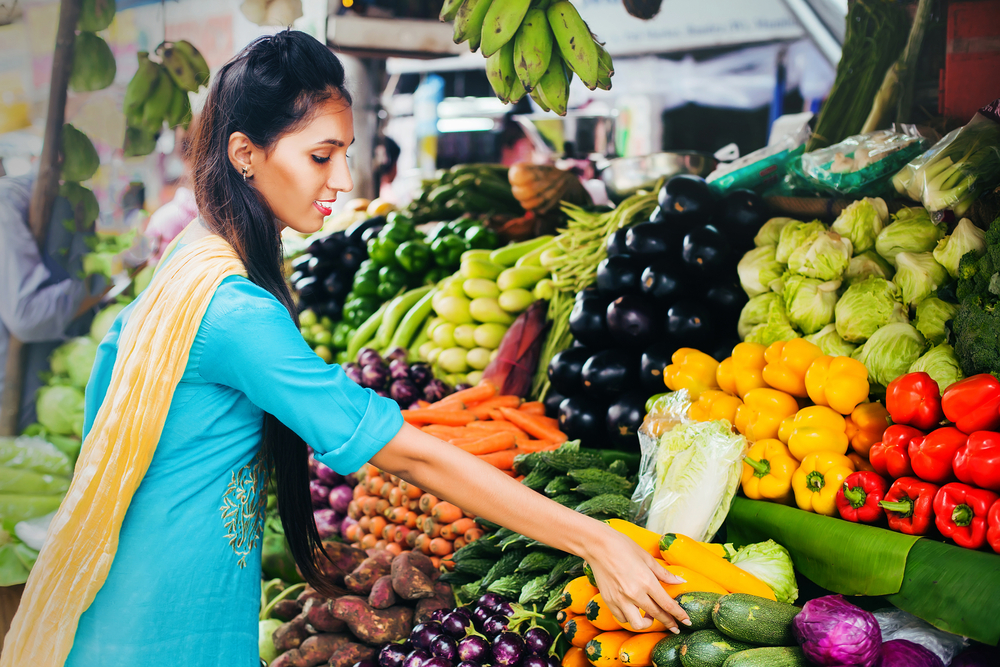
184	587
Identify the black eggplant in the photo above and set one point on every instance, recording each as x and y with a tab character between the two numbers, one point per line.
588	322
332	308
552	400
686	197
338	284
351	256
624	418
564	370
618	275
656	215
333	243
727	301
616	243
297	276
370	233
655	358
586	293
650	240
662	281
310	290
609	373
632	321
581	418
724	348
705	251
690	324
320	267
357	230
301	263
742	213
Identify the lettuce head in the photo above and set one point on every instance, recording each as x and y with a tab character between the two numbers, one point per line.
776	327
890	352
865	265
756	312
912	231
932	315
965	239
770	231
810	302
918	275
771	563
941	364
60	409
828	340
758	269
793	235
866	307
824	255
861	222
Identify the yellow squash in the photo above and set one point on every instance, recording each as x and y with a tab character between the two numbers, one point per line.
638	651
602	650
600	615
577	593
682	550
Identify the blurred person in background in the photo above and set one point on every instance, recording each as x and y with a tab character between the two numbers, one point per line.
386	168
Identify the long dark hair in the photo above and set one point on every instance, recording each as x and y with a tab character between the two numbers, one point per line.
270	89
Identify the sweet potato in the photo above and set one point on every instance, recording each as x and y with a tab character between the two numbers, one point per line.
286	610
428	606
361	580
288	659
318	649
382	595
425	565
341	560
308	593
351	654
373	626
291	634
409	582
319	615
443	591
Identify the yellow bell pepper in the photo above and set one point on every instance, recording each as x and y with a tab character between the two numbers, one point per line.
787	363
785	428
725	377
767	471
762	411
748	364
866	425
840	382
692	370
715	405
817	429
818	479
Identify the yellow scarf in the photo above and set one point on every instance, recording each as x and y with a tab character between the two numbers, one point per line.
83	537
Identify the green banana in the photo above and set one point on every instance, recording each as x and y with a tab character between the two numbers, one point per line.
154	111
501	22
179	112
532	48
141	85
500	72
138	142
605	69
179	68
197	61
576	44
469	22
554	86
449	10
538	99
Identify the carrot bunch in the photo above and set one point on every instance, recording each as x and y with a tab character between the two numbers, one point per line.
397	516
494	427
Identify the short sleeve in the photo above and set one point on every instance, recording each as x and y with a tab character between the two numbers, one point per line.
252	345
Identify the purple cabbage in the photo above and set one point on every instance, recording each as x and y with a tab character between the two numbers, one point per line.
399	370
368	356
832	631
353	372
374	376
397	354
436	390
320	494
903	653
404	392
327	523
420	374
328	476
340	497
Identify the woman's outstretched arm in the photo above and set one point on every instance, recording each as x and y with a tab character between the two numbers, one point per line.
628	577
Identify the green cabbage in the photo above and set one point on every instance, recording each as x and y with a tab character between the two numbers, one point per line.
941	364
103	321
771	563
965	239
756	312
828	340
770	231
918	275
758	269
867	306
60	410
824	255
794	235
865	265
932	314
776	327
861	222
810	302
80	360
890	352
912	231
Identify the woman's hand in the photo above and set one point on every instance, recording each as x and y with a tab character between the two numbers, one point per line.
629	580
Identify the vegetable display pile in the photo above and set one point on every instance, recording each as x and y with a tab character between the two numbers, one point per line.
387	596
481	190
392	377
331	494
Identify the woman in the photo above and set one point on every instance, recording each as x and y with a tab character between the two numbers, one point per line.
204	384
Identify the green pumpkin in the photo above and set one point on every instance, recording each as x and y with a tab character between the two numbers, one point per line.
94	65
96	15
80	160
83	202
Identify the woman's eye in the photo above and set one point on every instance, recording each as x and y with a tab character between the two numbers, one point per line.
320	160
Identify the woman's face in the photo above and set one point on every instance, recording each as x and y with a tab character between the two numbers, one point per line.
305	170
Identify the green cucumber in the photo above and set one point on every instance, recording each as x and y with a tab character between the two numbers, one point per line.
667	652
708	648
509	254
769	656
699	606
398	307
365	332
750	618
412	321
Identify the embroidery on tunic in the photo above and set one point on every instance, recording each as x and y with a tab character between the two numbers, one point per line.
243	506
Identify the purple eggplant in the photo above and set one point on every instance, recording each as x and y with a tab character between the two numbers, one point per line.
374	375
490	601
424	634
455	624
368	356
505	609
320	494
416	658
420	374
383	393
554	661
538	641
462	385
327	523
445	647
436	390
480	614
327	475
340	497
397	354
474	649
353	372
494	625
391	655
464	611
438	614
365	663
508	649
535	661
469	663
399	369
438	661
404	392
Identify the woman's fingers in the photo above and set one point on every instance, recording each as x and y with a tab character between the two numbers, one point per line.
665	575
662	600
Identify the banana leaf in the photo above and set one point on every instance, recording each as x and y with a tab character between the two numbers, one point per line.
841	556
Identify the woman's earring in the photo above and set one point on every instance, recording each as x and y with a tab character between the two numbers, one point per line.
244	174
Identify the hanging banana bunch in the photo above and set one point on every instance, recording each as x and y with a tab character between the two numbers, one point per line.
158	94
531	47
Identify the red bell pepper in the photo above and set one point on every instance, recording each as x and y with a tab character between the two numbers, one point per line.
909	505
960	513
978	461
891	457
932	455
973	404
993	527
914	399
858	498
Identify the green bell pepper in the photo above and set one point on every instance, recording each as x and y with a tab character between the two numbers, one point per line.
448	250
397	231
391	280
341	335
366	281
400	217
436	275
482	238
359	309
382	250
413	256
460	225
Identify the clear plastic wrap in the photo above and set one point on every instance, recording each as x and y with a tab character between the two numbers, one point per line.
668	411
898	624
862	165
762	168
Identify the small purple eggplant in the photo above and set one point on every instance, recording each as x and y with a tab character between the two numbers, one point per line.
538	641
391	655
464	611
397	354
438	661
368	356
365	663
480	614
399	369
353	372
404	392
505	609
424	634
445	647
374	375
436	390
535	661
494	625
474	649
320	494
327	523
455	624
554	661
438	614
340	497
416	658
469	663
508	649
327	475
421	374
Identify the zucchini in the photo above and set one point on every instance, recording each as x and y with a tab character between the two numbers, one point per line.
577	595
699	606
667	652
708	648
768	656
755	619
579	631
559	485
595	482
607	503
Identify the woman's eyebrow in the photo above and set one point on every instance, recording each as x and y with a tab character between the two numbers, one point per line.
336	142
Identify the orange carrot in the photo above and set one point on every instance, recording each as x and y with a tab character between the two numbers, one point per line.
444	513
440	546
495	415
372	471
459	543
410	491
503	460
420	521
533	408
463	525
386	490
411	538
537	445
473	534
491	443
368	541
482	410
427	503
381	505
432	528
394	548
423	543
381	545
510	473
554	423
422	403
442	431
432	416
360	491
480	392
374	485
396	514
351	531
533	425
410	520
401	534
367	505
365	523
494	427
378	524
436	562
389	532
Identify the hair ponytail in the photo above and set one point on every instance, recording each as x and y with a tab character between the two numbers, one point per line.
265	92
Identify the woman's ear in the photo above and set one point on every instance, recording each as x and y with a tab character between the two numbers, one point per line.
241	154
